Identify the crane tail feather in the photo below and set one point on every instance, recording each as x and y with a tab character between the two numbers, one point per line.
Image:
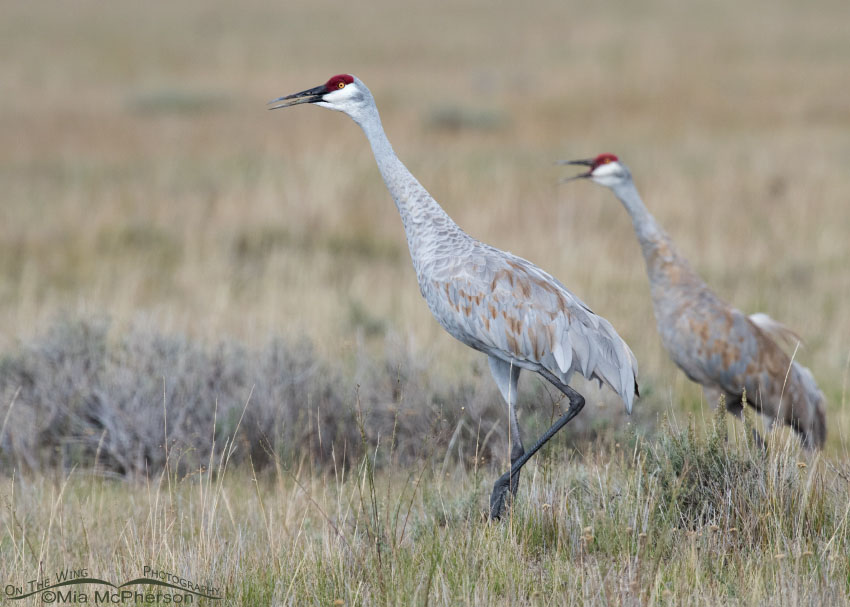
775	329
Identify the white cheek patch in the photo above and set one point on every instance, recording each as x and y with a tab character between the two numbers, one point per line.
607	170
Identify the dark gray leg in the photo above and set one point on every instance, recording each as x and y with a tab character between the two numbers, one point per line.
508	481
517	452
507	379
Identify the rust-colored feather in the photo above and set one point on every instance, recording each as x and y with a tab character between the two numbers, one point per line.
716	345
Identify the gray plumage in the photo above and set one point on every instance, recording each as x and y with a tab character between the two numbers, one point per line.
716	345
494	302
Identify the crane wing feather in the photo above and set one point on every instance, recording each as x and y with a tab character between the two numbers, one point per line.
781	334
511	309
563	353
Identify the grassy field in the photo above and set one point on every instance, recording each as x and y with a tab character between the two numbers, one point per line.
677	521
143	181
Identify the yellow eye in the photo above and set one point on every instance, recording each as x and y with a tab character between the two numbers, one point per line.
340	85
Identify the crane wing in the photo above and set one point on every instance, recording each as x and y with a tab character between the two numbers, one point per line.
509	308
779	332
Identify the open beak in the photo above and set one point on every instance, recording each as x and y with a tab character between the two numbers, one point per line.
584	163
309	96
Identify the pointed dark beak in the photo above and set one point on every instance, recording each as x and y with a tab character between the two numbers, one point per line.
309	96
584	163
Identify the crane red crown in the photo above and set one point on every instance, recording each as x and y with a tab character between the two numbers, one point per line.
338	82
604	159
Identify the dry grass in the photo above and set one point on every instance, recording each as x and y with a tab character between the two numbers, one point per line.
141	171
142	179
617	526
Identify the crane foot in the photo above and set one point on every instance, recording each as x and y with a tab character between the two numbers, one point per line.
499	496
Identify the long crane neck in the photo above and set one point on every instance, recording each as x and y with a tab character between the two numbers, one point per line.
425	221
415	205
648	232
662	259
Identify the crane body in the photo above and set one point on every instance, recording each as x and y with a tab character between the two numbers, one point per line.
491	300
716	345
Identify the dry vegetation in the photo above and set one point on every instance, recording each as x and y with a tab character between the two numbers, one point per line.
82	396
242	256
677	521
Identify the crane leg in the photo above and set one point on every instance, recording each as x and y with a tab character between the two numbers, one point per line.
507	378
508	480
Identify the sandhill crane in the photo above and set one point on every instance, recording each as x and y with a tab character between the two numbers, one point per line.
492	301
716	345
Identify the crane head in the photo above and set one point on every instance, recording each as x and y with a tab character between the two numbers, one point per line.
605	169
342	92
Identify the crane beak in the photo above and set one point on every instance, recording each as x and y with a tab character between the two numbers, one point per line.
584	163
309	96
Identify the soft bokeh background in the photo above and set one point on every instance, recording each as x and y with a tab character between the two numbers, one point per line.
215	360
141	175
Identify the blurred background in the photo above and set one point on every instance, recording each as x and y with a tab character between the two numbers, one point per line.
144	182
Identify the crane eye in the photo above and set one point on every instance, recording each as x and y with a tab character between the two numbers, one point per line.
340	85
